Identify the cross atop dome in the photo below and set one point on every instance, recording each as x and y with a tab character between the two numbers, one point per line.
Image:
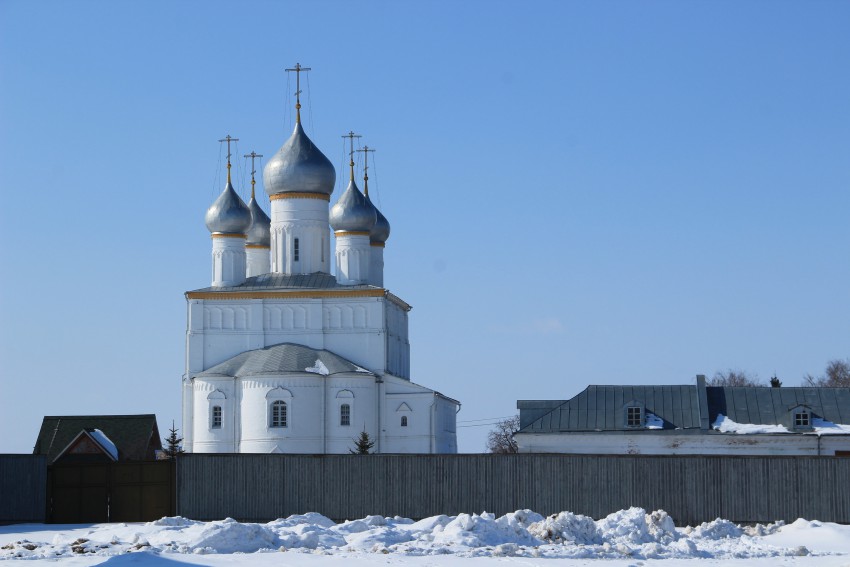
228	139
298	69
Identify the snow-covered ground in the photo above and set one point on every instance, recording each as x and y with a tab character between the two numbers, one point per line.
626	538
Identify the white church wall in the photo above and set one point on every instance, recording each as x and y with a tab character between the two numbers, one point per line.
398	347
211	436
307	220
350	327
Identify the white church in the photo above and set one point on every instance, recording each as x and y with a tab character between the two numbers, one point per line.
281	355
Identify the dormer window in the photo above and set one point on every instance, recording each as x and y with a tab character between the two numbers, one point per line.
634	416
800	418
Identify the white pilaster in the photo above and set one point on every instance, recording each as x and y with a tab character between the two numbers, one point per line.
376	264
228	259
305	219
352	257
258	260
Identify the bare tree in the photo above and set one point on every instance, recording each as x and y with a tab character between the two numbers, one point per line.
734	378
501	437
837	375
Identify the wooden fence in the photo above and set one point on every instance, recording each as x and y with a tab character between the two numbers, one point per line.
692	489
22	488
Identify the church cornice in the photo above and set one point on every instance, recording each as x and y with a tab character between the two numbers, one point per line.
312	294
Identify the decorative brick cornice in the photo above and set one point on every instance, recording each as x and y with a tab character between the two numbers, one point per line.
299	294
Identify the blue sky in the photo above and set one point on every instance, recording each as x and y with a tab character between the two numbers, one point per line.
579	193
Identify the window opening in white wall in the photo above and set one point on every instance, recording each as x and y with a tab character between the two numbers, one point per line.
215	417
404	421
278	414
295	251
345	414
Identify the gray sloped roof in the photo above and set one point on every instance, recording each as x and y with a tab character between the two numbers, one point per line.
135	436
285	358
601	408
773	405
272	281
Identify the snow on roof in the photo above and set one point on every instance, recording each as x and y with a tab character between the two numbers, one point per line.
819	427
104	442
320	368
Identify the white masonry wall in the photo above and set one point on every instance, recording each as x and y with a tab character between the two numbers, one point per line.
305	219
712	443
228	259
258	260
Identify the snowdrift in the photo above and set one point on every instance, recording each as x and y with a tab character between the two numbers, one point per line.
632	533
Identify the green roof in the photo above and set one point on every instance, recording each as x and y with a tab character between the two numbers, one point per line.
135	436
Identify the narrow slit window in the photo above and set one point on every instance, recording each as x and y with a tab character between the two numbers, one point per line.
278	414
215	417
345	414
404	421
295	251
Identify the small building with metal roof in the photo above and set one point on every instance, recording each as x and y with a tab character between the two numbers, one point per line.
688	420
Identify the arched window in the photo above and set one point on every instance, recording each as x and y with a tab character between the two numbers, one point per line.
215	417
404	421
345	414
278	414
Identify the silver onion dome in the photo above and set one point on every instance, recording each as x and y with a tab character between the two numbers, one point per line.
299	166
228	214
353	213
381	231
260	232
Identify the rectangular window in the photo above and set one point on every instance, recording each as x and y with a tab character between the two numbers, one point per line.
215	422
801	419
295	251
345	414
278	417
634	416
404	421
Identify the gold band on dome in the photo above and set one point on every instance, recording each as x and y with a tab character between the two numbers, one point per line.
227	235
351	233
300	195
377	244
258	246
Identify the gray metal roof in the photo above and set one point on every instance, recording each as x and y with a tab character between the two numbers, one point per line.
285	358
268	282
602	408
774	405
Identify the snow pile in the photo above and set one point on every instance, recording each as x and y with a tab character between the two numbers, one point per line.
631	533
824	427
726	425
819	427
653	421
318	368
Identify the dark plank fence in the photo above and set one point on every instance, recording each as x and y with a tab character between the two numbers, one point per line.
110	492
692	489
23	488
